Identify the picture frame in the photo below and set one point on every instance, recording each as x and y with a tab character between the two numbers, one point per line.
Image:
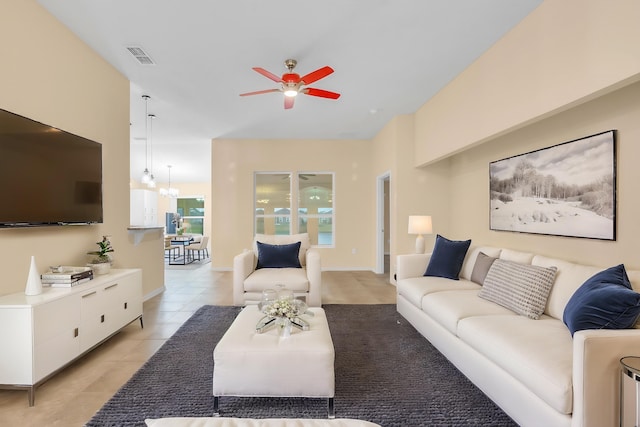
568	189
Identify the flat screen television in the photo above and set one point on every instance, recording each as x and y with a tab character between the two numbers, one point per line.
47	176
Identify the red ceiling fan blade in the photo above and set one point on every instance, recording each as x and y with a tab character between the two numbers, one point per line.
321	93
268	74
260	92
288	102
316	75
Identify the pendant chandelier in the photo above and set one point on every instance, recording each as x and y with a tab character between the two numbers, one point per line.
152	180
146	176
170	192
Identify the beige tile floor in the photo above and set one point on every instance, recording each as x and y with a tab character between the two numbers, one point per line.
71	397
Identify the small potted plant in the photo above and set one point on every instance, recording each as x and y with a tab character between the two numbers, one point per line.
100	263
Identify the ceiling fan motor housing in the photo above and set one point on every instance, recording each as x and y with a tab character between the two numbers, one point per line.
288	78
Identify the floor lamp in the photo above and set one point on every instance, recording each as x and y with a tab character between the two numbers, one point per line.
420	224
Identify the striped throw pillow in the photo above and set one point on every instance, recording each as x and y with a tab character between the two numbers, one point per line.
521	288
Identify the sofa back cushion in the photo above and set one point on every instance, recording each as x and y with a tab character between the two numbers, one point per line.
472	256
284	239
516	256
569	277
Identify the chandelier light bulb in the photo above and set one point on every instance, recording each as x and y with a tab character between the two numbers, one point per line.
169	192
146	177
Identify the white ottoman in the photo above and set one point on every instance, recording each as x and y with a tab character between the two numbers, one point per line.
250	364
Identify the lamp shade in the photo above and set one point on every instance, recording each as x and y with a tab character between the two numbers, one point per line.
420	224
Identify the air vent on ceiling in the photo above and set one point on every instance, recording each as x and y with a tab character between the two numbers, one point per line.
140	55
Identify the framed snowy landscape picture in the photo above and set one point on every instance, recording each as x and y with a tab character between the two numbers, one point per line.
568	189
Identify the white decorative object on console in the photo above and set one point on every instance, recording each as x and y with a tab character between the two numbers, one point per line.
41	334
34	284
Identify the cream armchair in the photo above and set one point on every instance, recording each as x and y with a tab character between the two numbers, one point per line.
249	282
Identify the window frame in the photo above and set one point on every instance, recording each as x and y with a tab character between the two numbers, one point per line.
198	217
295	215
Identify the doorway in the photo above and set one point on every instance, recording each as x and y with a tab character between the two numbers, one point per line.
383	229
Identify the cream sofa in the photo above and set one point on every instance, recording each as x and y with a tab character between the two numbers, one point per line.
249	282
533	369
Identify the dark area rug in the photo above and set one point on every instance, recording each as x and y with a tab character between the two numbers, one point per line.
386	373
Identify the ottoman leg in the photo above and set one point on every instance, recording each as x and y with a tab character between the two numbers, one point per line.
216	404
331	409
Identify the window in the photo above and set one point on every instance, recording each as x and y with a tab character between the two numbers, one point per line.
310	210
315	207
191	209
272	203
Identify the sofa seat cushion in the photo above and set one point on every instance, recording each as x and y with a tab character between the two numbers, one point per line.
415	288
449	307
538	353
267	278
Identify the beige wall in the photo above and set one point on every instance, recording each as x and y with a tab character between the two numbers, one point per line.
510	101
563	53
51	76
567	71
413	191
619	110
233	165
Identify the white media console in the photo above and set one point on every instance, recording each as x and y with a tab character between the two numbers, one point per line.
41	334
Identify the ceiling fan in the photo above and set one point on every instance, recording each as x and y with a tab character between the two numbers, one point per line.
291	84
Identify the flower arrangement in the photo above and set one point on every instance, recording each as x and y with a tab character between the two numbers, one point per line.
102	256
284	308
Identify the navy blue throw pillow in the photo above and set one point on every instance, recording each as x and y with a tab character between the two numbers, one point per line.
604	301
278	256
447	257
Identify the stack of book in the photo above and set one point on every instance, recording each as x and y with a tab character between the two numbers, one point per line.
66	277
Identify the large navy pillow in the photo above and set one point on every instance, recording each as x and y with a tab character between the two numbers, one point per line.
278	256
447	257
604	301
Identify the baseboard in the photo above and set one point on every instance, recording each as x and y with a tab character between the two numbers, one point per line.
154	293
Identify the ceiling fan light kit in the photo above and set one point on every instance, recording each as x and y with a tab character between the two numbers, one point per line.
291	84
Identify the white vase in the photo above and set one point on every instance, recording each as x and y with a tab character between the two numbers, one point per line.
101	268
34	284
